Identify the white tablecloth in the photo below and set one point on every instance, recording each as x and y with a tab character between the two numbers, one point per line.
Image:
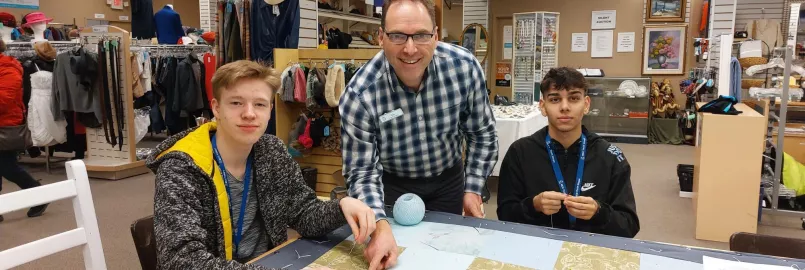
511	129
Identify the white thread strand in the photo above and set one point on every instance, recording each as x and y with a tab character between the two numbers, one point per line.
430	246
561	235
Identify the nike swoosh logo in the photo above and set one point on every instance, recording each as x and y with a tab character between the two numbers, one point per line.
586	188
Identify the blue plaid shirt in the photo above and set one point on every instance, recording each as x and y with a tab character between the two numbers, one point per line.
451	106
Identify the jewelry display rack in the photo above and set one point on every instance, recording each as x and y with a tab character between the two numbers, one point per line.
535	43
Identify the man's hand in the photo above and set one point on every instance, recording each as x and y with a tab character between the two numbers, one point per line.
548	202
581	207
472	205
360	217
382	249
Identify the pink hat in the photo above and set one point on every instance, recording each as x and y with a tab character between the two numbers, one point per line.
36	17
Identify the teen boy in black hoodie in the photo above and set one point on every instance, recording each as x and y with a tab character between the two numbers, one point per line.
538	177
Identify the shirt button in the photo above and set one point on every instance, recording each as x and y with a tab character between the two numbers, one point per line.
421	118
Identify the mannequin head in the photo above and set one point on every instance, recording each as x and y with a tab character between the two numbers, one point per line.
7	25
37	21
39	31
5	33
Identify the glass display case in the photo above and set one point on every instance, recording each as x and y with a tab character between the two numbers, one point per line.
619	108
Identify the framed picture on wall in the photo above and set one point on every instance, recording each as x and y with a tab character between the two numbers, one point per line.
664	49
665	10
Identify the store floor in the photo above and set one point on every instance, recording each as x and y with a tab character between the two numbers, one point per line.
664	216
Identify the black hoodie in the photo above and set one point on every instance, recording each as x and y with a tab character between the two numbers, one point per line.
526	171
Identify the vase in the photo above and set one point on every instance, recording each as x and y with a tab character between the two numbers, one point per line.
661	59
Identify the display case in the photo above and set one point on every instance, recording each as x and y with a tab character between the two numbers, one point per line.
619	108
534	53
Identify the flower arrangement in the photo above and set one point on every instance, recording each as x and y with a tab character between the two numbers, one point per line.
662	50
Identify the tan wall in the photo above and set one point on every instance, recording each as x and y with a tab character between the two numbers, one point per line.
576	17
452	21
188	10
65	11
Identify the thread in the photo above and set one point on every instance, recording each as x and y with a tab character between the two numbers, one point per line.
560	235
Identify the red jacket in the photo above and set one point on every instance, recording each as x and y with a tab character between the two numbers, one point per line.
12	110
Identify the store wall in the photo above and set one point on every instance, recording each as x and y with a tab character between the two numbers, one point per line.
452	22
188	10
65	11
576	16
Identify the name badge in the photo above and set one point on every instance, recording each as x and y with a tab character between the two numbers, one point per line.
391	115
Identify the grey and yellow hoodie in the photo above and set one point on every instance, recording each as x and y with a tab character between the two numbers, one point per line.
192	224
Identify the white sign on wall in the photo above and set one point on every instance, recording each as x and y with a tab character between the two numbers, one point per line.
579	42
626	42
26	4
602	43
604	19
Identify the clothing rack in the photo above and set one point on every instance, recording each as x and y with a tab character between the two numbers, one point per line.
172	50
324	161
102	159
26	49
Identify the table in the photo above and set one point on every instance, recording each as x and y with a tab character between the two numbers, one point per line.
448	241
511	129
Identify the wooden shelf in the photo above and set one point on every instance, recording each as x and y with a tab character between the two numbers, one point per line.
348	16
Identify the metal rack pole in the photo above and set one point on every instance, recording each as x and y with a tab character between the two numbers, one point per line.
778	166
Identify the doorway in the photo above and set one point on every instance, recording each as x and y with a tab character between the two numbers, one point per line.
497	56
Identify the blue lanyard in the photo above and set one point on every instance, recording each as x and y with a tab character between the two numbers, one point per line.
558	173
246	181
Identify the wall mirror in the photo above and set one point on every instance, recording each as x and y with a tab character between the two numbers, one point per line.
474	38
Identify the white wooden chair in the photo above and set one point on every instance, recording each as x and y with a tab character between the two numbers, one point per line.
75	188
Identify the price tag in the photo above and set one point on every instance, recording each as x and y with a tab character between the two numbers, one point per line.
124	18
125	4
100	28
99	16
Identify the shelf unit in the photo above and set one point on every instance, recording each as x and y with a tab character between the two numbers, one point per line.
347	23
535	42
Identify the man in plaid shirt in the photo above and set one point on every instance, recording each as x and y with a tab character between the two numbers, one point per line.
406	117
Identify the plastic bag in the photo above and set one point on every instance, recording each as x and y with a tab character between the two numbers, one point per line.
794	94
141	123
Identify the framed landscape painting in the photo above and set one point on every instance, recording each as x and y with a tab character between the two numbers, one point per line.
665	10
664	49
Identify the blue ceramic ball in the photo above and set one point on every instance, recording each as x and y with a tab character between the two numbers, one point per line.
409	209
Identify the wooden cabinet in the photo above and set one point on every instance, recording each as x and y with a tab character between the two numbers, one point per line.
726	179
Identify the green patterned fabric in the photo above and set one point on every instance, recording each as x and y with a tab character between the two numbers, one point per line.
665	131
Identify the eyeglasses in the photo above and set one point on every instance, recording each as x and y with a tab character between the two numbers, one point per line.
401	38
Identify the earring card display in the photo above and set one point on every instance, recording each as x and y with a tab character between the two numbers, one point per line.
535	43
102	159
